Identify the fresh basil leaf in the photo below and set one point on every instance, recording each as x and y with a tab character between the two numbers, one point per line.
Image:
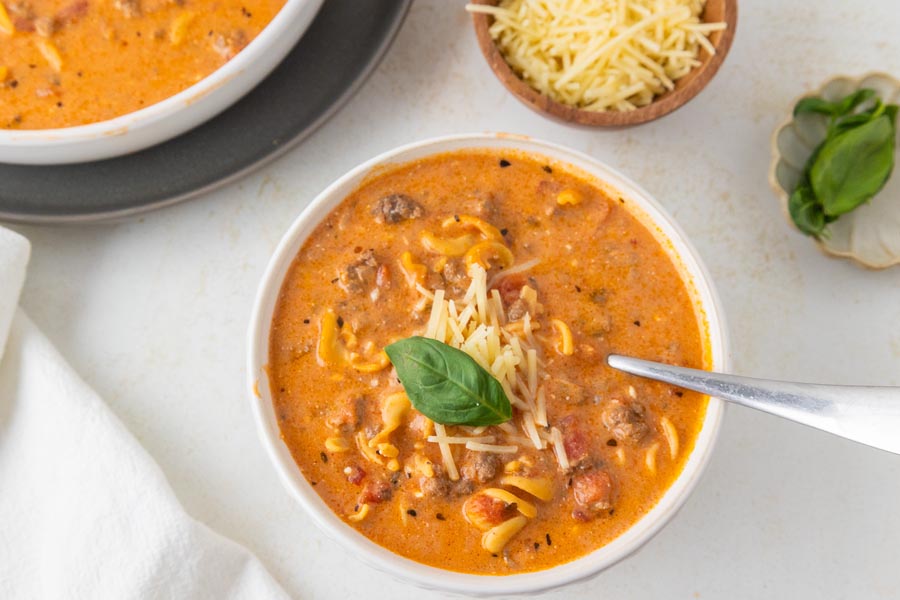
853	166
447	385
814	105
806	212
890	112
847	123
846	105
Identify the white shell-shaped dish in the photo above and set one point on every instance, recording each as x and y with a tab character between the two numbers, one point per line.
870	234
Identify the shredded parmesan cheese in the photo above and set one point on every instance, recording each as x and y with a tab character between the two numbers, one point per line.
477	326
479	447
559	448
600	55
446	454
435	439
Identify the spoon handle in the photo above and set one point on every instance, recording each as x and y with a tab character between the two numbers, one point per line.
869	415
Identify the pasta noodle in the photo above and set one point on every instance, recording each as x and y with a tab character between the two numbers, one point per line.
496	538
538	487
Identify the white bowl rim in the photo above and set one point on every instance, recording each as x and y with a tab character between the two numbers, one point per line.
408	570
148	116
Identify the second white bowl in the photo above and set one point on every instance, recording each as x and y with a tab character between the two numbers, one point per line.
172	116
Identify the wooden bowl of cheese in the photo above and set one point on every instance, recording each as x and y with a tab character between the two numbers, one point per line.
604	64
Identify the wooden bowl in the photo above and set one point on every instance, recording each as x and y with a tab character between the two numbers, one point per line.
685	88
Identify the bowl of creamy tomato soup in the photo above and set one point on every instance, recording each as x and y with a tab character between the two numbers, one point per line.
427	364
82	80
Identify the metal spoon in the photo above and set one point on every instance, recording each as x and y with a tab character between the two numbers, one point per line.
865	414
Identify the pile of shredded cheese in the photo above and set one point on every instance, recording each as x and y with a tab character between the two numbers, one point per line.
509	351
604	54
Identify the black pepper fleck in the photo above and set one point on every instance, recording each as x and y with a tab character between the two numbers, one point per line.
537	545
335	280
638	323
340	322
323	456
679	394
306	321
622	200
504	163
504	231
549	541
440	517
547	169
612	442
578	289
456	218
411	512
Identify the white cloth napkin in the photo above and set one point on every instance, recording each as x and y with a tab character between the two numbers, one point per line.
84	510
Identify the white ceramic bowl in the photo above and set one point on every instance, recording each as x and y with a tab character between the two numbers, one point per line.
174	115
647	210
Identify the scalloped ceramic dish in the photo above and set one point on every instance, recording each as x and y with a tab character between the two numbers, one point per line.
870	234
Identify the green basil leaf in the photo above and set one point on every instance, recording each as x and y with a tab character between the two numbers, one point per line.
447	385
806	212
814	105
853	166
847	123
850	102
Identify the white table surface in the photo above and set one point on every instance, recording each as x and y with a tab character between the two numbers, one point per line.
153	313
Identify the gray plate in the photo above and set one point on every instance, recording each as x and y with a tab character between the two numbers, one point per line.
340	49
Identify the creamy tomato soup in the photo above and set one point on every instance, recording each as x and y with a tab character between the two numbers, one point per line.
536	274
71	62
